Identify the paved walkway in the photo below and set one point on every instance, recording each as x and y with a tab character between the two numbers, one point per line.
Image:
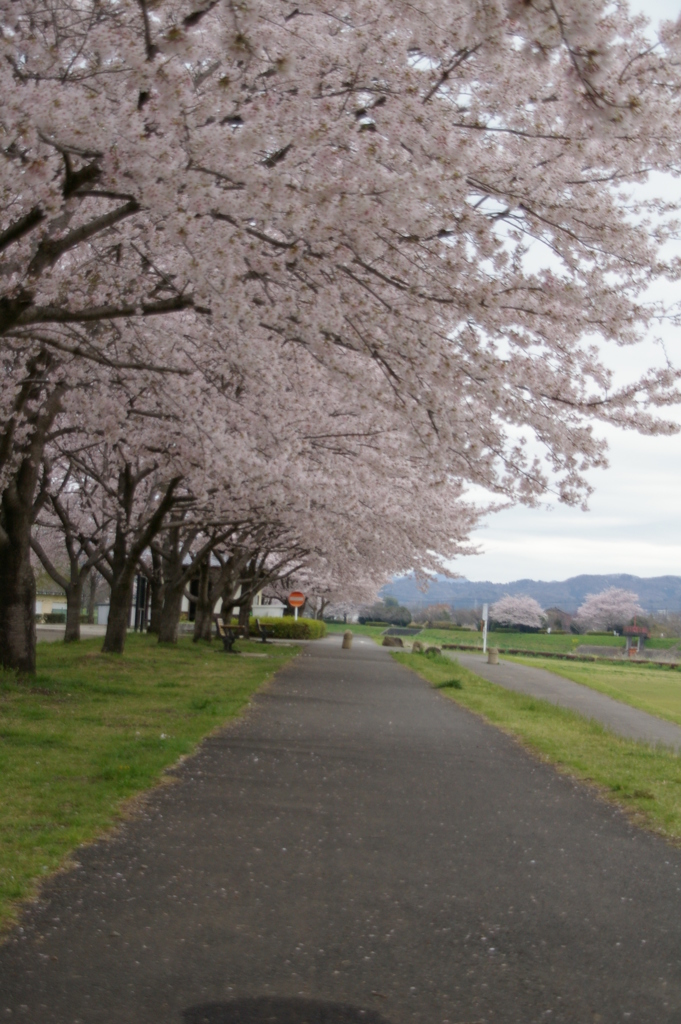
55	631
358	848
538	682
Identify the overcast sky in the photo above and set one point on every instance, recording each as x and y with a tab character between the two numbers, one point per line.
634	520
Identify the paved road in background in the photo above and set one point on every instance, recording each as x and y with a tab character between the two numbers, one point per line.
538	682
56	632
357	848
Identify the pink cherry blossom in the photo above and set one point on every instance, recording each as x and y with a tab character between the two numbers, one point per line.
611	609
517	610
323	268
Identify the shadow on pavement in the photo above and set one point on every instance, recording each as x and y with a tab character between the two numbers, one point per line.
266	1010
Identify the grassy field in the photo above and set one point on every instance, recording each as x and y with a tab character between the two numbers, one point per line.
339	627
644	781
92	730
547	642
528	641
652	688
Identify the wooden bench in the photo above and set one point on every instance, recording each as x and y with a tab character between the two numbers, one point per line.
228	634
264	631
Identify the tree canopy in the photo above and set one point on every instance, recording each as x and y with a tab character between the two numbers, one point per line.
301	275
613	608
517	610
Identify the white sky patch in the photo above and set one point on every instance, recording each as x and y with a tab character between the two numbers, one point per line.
634	522
656	10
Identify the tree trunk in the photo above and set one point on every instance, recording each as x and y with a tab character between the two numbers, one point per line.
203	626
91	597
228	602
173	589
121	597
119	616
170	614
203	623
17	582
74	603
244	615
17	589
157	588
124	561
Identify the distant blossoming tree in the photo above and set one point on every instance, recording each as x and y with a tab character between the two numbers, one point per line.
517	610
434	613
611	609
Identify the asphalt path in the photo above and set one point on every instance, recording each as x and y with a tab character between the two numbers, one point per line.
357	848
53	632
538	682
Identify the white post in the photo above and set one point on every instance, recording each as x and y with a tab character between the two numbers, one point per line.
295	613
485	614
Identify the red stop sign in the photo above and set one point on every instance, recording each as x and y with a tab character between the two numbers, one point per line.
296	599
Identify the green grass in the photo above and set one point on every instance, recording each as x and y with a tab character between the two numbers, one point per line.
541	642
652	688
548	642
560	643
92	730
644	781
355	628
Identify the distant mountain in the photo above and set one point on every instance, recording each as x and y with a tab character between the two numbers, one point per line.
655	593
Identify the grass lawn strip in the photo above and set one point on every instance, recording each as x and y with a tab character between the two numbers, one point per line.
652	688
643	780
93	730
356	629
556	643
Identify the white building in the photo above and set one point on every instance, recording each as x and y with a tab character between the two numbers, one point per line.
268	607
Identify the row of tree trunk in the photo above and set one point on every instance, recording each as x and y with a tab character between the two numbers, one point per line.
174	558
167	591
174	563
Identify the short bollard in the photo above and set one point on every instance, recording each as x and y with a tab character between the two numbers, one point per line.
347	640
493	656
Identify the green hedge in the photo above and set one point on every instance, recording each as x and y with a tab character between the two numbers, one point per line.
382	625
286	628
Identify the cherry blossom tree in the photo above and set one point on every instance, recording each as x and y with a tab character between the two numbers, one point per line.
517	610
329	590
333	206
611	609
67	541
224	583
67	403
305	513
318	226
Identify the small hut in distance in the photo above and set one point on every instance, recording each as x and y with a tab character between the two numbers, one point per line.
635	635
